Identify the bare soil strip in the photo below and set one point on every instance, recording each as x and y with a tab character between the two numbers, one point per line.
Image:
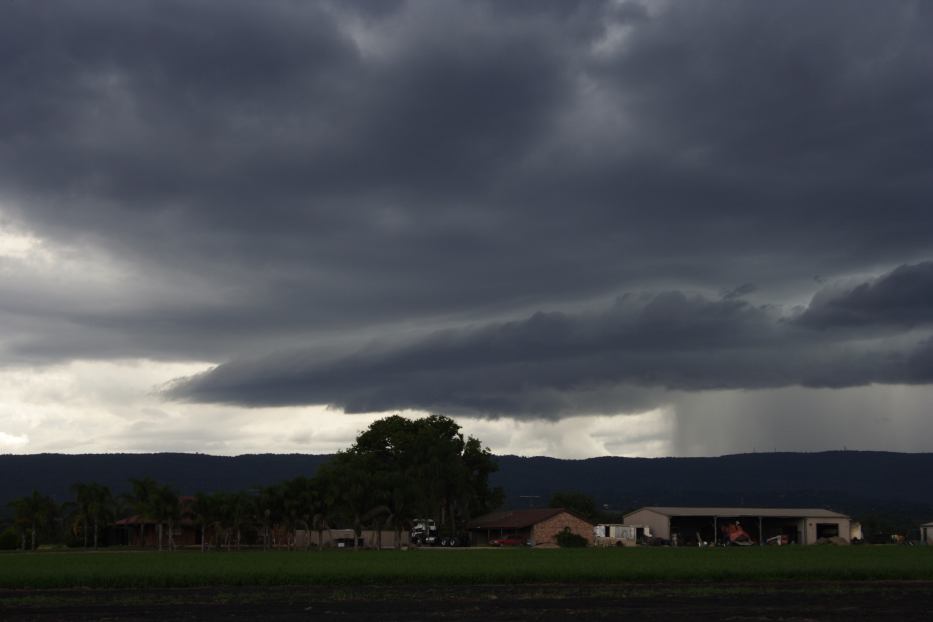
760	601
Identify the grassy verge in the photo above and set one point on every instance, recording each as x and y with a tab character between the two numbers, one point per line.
191	569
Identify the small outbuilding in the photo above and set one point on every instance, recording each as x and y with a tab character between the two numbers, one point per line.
535	526
926	533
621	535
721	525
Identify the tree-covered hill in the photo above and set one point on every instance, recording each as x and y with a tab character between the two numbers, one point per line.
857	482
54	474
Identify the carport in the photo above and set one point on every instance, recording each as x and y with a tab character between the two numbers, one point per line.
709	525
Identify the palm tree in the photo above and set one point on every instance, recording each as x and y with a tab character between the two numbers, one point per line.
233	511
205	511
160	504
377	517
401	494
384	511
101	507
320	503
298	495
33	512
143	501
267	510
350	476
82	511
166	509
308	503
93	504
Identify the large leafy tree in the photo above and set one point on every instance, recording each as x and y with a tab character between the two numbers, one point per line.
479	464
426	467
391	447
439	446
351	485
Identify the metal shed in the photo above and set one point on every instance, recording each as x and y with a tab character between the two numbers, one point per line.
707	525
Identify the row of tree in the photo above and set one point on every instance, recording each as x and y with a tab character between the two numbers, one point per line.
397	470
39	516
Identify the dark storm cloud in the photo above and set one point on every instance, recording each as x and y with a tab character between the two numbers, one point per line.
741	290
902	298
558	363
253	144
272	174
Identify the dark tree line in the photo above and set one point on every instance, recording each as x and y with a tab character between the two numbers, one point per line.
396	471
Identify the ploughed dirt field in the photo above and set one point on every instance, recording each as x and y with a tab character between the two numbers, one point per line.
862	600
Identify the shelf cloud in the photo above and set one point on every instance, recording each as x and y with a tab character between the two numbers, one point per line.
553	364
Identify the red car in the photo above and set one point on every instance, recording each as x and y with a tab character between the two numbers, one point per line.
507	541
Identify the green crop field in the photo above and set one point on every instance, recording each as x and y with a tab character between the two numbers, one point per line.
188	569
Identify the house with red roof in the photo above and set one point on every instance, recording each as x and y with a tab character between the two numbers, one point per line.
533	527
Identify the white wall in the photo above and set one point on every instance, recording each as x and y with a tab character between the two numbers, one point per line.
841	523
659	523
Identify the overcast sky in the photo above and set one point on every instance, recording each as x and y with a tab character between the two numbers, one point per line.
634	227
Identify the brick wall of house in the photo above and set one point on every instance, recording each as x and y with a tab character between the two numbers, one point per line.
544	533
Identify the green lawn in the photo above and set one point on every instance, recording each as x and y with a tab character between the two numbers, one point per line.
185	569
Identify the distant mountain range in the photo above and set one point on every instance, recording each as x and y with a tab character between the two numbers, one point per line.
894	488
861	483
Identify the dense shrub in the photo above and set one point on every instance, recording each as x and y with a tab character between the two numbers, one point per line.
568	539
9	540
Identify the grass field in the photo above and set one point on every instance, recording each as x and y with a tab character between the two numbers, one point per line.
189	569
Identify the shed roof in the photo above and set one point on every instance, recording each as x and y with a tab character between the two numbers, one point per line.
726	511
517	519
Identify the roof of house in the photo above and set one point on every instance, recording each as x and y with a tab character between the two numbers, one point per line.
135	519
185	502
726	511
517	519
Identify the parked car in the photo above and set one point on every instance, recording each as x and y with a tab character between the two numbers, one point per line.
507	541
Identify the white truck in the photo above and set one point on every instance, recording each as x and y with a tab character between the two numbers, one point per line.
423	532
